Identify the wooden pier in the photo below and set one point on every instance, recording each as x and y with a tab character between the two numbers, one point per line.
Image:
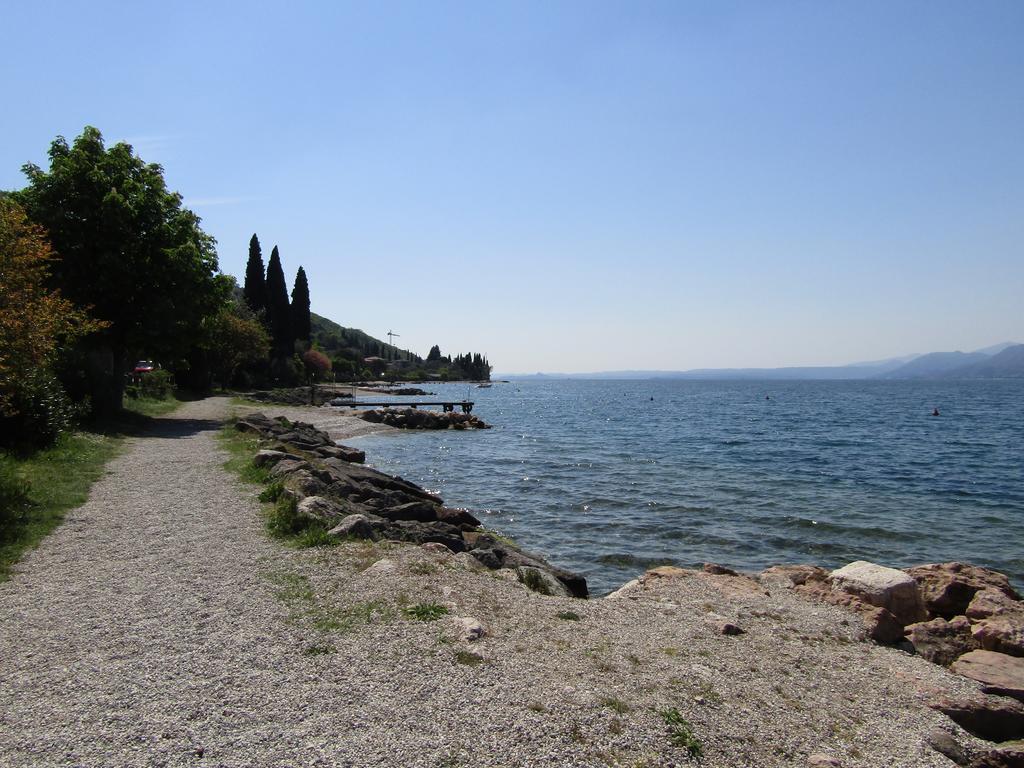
465	405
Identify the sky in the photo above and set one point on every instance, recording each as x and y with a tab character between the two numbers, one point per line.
575	186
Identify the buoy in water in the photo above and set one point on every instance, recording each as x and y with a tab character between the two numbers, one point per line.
935	412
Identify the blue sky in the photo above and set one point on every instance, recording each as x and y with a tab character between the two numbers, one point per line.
576	186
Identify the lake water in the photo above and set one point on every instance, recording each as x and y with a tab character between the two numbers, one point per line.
610	477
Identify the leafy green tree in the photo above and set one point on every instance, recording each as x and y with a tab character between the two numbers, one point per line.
35	323
434	355
126	249
278	308
255	289
235	337
301	320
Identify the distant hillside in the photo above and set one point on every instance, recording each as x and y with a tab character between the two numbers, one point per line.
353	343
1008	364
1004	360
935	364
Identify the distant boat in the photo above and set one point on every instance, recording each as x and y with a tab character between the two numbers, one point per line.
484	385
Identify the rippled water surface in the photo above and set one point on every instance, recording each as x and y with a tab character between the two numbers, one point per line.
610	477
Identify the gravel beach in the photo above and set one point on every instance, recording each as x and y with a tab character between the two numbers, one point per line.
160	626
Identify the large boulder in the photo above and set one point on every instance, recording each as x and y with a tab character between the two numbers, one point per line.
994	718
1010	754
342	452
881	587
421	511
997	672
940	641
268	458
948	588
880	625
323	509
353	526
998	621
421	533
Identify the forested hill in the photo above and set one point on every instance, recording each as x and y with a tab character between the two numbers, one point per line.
350	349
353	343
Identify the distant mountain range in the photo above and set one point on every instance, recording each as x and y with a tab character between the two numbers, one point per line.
1000	361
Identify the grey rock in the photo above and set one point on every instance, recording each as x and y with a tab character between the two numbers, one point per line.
882	587
319	508
266	458
354	526
489	558
287	466
420	511
470	629
945	744
541	581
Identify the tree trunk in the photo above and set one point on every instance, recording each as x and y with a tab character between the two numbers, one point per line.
106	381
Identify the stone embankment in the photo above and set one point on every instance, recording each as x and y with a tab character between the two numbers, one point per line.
295	396
415	418
353	501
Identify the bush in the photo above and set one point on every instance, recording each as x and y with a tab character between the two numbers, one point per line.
40	411
14	501
157	385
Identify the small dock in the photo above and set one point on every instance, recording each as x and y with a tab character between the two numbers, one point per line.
447	405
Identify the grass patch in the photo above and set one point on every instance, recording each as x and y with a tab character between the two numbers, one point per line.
468	658
151	407
305	606
272	492
680	731
569	616
37	491
533	581
319	650
280	512
425	611
615	704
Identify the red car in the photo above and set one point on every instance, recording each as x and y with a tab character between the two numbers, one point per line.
144	366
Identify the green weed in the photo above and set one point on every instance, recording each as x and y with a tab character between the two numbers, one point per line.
680	731
533	581
425	611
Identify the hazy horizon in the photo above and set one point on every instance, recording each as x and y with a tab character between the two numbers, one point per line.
577	187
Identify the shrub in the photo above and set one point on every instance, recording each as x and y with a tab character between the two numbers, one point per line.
40	412
680	731
157	385
283	519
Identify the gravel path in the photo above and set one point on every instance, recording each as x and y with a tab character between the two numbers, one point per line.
158	626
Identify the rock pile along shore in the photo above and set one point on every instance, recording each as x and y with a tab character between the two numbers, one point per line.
414	418
330	487
961	616
295	396
965	618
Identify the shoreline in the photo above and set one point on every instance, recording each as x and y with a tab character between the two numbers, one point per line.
857	609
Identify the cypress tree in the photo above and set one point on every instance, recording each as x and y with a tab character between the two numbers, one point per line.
278	309
255	290
300	307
